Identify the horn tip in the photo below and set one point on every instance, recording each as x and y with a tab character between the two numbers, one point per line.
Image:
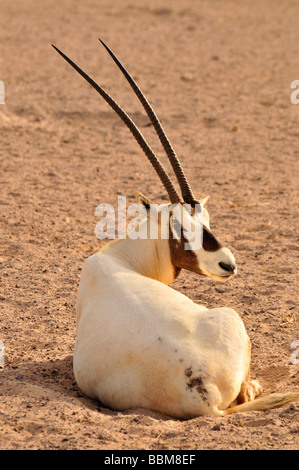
105	45
56	48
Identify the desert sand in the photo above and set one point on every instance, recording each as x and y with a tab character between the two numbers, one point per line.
218	74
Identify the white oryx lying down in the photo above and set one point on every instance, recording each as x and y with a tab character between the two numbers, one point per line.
141	343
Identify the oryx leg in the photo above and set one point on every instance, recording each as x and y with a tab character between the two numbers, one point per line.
250	389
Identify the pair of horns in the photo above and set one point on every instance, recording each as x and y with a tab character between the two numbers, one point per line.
174	196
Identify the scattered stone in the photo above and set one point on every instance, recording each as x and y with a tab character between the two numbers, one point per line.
187	76
16	264
216	427
220	290
295	429
57	269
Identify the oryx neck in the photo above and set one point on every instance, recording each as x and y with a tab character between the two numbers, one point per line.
150	258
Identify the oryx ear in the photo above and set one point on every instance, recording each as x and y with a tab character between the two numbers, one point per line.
141	199
205	200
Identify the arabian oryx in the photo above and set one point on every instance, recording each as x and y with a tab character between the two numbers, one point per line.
140	343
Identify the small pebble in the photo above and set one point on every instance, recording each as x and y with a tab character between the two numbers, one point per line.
216	427
16	264
220	290
57	269
187	76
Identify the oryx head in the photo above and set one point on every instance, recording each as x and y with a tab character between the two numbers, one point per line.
210	258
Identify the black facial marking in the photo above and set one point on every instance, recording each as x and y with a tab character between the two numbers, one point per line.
209	242
187	259
181	258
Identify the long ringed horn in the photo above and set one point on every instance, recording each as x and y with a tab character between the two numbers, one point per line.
165	179
178	170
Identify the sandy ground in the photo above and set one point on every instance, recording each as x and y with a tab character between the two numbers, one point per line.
218	74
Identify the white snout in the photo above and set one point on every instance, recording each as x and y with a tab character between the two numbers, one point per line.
219	265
